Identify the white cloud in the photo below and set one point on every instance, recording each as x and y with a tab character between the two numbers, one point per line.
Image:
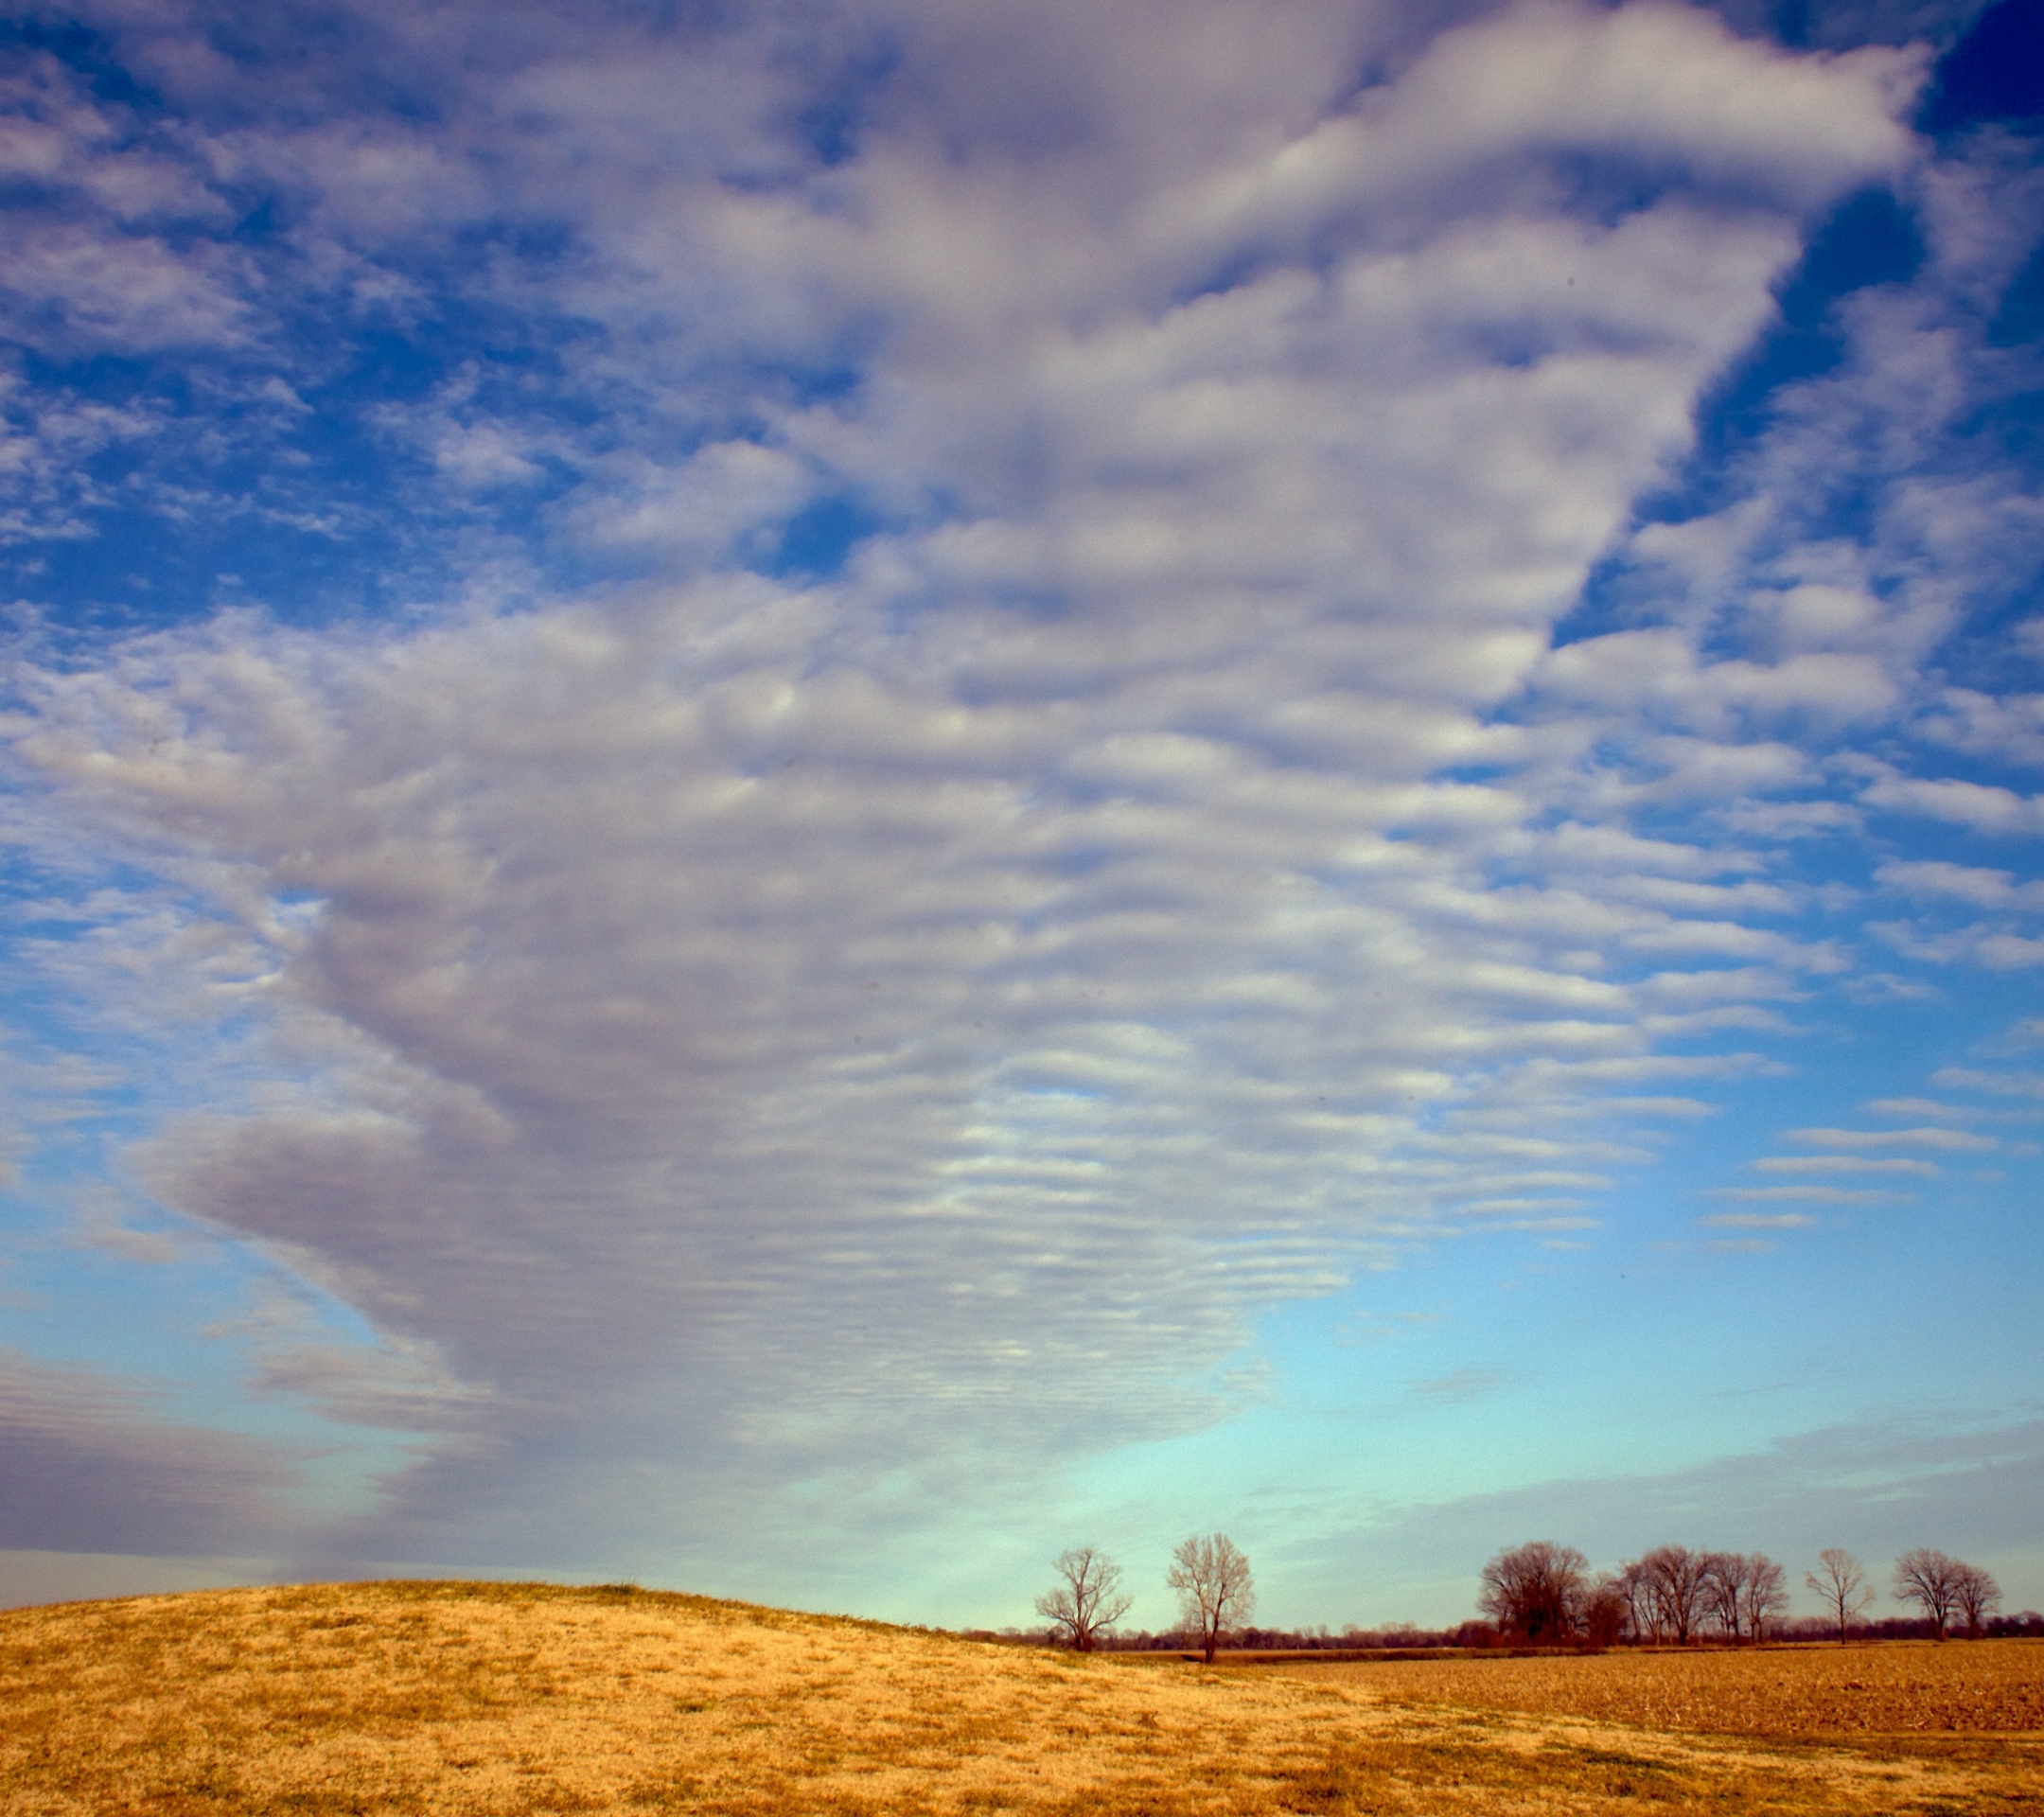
1909	1107
125	269
1983	808
1982	944
2006	1084
938	1009
1936	877
2005	952
1652	82
1773	1219
1840	1164
2020	1036
1953	1139
1461	1386
2008	729
1802	1194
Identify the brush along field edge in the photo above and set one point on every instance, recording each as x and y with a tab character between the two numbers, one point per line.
490	1698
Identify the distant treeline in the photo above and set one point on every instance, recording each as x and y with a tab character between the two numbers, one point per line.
2029	1625
1274	1640
1540	1595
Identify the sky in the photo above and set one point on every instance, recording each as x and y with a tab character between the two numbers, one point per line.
801	795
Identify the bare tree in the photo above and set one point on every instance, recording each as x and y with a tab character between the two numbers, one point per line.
1536	1591
1214	1586
1721	1585
1843	1585
1764	1590
1607	1612
1975	1594
1931	1580
1087	1600
1643	1614
1675	1579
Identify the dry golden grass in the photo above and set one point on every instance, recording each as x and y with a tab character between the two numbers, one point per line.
472	1697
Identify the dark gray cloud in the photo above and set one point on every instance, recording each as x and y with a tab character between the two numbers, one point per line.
1963	1483
87	1464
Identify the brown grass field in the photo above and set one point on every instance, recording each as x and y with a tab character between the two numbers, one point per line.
489	1698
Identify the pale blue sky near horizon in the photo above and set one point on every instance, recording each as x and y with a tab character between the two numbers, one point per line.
801	797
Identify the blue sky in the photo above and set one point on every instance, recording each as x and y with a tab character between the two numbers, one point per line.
801	798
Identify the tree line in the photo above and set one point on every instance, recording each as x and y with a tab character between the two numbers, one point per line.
1544	1594
1539	1594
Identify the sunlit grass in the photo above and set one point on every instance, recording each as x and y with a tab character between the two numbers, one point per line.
486	1698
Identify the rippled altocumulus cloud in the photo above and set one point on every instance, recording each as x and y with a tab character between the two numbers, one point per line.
913	1014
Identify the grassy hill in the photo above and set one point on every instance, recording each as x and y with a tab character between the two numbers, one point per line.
528	1698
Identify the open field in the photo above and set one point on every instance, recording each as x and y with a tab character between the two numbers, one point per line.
427	1697
1892	1687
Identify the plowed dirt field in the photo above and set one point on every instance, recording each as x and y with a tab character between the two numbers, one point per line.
1883	1687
